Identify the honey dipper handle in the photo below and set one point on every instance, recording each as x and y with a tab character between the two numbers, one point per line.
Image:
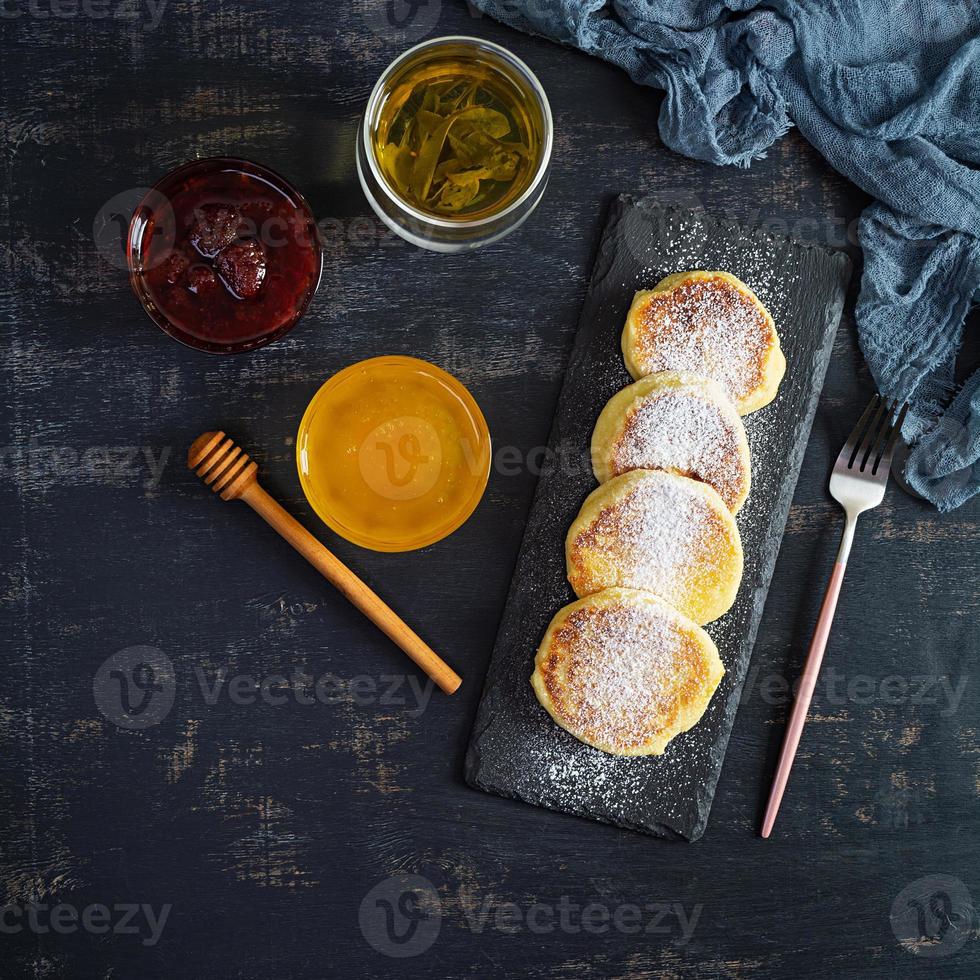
339	575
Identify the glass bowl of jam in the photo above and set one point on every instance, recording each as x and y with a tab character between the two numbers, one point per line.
393	453
224	255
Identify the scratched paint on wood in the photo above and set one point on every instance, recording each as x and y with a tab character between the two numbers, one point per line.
266	825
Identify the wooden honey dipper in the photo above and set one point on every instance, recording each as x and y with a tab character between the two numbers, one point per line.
233	476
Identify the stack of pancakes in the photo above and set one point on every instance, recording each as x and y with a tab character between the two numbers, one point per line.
655	553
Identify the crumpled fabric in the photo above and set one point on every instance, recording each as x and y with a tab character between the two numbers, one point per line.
889	92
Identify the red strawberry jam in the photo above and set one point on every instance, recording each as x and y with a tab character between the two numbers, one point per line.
242	266
224	255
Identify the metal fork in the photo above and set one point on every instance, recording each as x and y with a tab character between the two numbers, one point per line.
857	484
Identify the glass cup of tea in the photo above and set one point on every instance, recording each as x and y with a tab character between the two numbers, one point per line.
454	148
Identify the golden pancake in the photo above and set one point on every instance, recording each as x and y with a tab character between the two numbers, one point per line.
679	422
662	533
708	323
624	672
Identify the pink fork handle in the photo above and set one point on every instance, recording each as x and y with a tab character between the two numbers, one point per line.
801	705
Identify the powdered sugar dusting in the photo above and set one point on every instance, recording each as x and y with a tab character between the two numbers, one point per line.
619	674
660	537
682	430
708	327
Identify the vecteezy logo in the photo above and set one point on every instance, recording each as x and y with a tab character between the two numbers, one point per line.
401	459
110	229
934	916
135	687
401	916
406	20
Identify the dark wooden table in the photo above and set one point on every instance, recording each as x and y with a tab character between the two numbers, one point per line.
242	837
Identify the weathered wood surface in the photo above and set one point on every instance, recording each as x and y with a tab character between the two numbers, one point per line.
265	826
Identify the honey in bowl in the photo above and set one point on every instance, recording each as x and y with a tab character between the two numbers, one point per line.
393	453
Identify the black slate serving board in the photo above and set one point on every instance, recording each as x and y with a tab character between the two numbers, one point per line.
515	749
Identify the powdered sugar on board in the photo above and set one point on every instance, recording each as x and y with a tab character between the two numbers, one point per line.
516	750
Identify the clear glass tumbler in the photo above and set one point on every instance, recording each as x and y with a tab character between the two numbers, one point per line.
428	230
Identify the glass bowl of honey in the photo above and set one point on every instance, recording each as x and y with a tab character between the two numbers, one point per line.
454	148
393	453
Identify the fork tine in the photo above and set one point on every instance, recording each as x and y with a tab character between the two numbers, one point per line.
855	437
868	438
876	434
884	460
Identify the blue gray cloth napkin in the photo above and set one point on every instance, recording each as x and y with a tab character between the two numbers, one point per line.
889	92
